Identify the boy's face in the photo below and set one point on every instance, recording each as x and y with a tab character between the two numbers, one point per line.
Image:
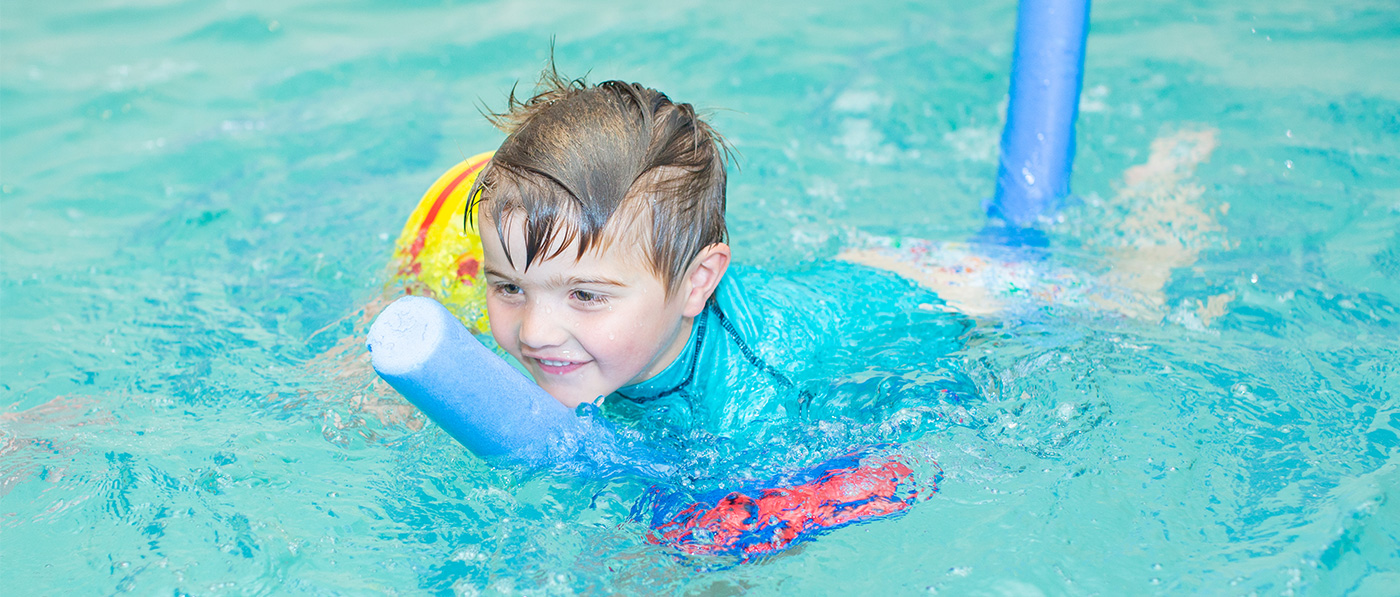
583	328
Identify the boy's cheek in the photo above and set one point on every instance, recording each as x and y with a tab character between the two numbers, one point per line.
500	329
503	341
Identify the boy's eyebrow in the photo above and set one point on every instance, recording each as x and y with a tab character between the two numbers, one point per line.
593	282
561	281
491	271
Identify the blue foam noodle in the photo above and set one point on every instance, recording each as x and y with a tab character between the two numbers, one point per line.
425	353
1037	145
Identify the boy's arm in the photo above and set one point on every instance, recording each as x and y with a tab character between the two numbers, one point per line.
959	291
1154	224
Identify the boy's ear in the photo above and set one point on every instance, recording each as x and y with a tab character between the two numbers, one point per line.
704	276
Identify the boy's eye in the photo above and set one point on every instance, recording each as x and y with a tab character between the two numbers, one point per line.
508	289
588	297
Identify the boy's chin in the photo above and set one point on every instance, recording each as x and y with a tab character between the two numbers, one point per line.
572	397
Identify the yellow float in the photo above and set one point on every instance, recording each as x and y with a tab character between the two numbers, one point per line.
438	255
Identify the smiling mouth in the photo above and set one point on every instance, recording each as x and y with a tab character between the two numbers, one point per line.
558	367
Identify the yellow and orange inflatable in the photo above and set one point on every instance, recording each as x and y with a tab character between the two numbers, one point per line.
438	254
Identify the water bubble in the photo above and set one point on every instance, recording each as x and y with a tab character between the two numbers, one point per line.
1065	411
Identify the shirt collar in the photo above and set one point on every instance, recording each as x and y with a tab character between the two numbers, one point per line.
681	371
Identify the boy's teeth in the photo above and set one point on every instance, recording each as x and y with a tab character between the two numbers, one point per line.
554	363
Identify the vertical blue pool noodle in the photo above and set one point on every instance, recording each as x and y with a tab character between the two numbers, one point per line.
425	353
1037	146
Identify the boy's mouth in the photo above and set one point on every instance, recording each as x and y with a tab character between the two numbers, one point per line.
553	367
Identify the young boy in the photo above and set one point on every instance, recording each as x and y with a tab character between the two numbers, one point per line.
602	224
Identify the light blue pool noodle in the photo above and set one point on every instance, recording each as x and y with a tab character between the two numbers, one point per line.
1037	146
425	353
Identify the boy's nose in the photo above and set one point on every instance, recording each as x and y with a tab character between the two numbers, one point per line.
540	327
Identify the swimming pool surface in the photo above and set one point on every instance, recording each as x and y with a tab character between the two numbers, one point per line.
199	198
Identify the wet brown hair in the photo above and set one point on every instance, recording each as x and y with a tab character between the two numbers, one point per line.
578	157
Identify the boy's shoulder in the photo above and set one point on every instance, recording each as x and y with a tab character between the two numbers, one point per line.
768	335
824	297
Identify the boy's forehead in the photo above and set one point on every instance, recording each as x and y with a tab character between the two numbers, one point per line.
624	241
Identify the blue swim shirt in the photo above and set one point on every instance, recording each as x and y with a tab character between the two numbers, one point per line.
773	357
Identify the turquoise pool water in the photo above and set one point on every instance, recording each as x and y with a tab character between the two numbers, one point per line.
199	198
